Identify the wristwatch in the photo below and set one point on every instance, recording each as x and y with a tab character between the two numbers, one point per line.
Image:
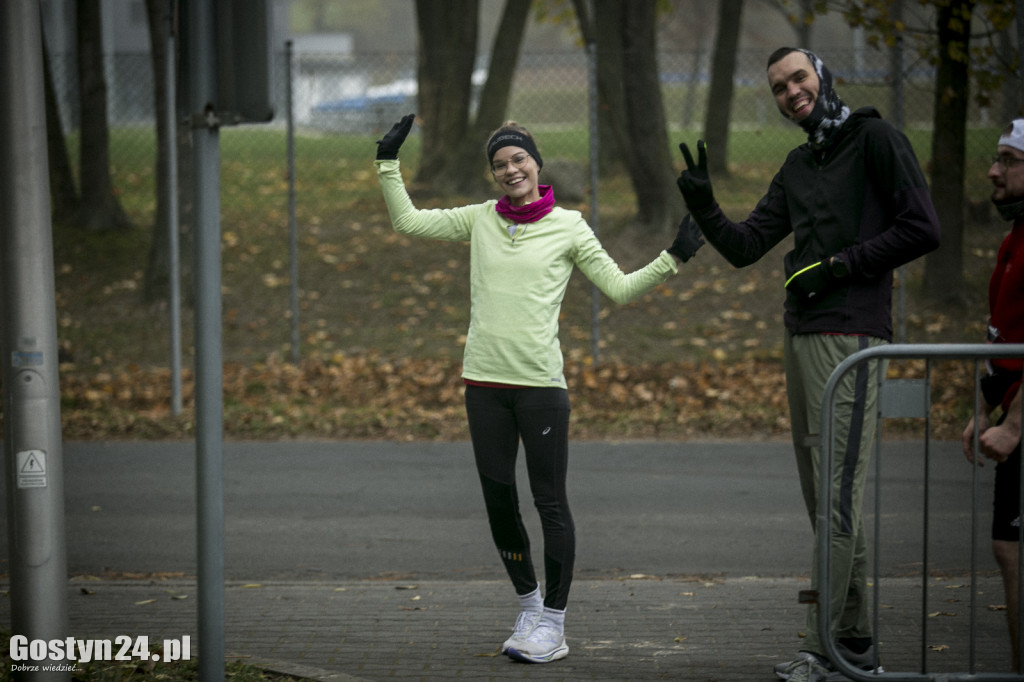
838	267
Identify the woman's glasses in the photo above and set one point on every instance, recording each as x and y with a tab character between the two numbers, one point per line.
519	160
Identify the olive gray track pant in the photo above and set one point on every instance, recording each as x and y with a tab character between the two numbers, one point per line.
810	360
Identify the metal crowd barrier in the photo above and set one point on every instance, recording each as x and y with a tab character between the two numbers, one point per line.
909	398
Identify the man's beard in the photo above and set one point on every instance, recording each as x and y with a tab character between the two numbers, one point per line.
1010	209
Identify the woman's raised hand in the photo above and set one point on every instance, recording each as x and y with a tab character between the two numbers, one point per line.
388	146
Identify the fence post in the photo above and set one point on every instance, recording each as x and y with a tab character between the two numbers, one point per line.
595	293
896	76
174	265
293	233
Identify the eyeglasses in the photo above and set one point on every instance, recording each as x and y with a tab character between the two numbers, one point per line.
1006	162
519	160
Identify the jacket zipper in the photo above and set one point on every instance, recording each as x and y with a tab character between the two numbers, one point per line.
520	231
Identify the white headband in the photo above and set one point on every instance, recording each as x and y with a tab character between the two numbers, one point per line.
1013	135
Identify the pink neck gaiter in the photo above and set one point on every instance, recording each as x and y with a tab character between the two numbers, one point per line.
530	213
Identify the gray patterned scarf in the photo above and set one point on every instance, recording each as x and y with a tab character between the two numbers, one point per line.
829	112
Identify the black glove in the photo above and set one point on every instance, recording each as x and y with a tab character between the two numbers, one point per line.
388	146
814	280
688	239
694	182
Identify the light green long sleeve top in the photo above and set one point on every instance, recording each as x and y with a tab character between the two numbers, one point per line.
518	279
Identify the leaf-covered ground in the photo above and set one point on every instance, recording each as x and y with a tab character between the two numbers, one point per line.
383	317
370	397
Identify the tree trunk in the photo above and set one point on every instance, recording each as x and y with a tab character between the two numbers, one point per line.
658	203
468	173
692	89
157	278
63	193
613	143
186	208
1012	103
943	276
804	23
99	208
723	70
447	52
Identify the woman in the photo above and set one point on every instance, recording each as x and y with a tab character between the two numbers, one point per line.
522	251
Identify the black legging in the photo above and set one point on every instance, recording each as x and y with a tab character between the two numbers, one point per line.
498	418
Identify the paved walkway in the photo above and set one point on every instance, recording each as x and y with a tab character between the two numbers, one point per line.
335	532
636	628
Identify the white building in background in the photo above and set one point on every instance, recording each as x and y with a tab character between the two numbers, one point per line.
324	69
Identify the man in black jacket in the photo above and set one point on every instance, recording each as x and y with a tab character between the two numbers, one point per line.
857	203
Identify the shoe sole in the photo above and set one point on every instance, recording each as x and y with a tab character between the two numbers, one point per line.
833	676
555	655
836	676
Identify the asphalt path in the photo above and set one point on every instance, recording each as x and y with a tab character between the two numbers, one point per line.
360	510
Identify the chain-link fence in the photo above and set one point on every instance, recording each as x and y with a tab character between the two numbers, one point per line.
357	96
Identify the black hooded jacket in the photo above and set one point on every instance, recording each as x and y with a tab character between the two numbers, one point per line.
863	198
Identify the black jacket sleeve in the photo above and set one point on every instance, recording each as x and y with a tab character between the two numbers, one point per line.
745	242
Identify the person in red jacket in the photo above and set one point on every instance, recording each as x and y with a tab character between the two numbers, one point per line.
1001	385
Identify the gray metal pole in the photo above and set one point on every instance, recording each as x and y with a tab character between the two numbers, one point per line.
896	69
209	374
595	293
31	388
293	232
174	274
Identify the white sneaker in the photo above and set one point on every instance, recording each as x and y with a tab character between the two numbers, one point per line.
545	643
525	624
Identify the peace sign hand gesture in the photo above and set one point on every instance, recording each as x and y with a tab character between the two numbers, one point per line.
694	182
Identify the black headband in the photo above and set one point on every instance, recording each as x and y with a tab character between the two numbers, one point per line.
511	138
